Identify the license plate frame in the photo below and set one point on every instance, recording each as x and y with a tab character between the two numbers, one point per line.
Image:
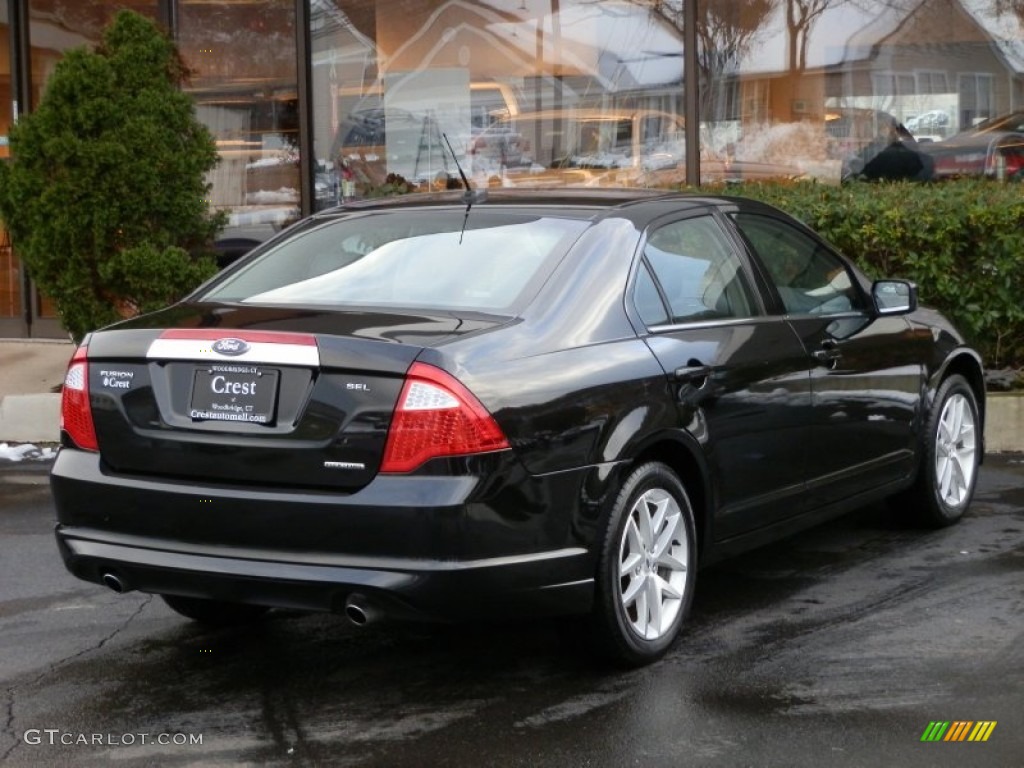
240	394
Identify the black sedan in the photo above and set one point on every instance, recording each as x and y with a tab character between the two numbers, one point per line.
542	403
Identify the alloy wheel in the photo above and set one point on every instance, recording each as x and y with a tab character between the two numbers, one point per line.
653	560
955	451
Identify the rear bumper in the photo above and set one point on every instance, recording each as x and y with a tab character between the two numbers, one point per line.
404	589
439	547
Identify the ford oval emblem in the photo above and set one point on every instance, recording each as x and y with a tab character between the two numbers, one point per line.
230	347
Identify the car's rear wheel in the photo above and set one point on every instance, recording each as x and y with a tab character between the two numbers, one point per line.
949	469
647	566
216	613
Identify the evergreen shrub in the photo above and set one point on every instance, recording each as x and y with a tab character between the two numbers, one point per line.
106	195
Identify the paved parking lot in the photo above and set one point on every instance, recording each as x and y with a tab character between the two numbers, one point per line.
839	647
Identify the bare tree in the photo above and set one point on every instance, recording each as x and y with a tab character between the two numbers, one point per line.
801	16
725	33
726	30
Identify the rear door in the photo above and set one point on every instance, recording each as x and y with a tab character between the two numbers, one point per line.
741	378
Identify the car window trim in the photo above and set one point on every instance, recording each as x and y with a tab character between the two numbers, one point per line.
716	323
841	314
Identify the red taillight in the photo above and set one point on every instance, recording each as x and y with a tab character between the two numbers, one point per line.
75	413
437	416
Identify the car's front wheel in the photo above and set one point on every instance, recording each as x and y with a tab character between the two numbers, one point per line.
216	613
952	454
647	566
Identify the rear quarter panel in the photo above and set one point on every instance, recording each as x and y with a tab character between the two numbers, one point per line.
571	383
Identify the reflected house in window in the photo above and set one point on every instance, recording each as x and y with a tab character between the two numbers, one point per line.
787	87
939	68
816	95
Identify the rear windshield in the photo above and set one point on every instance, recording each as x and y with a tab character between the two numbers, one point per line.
407	259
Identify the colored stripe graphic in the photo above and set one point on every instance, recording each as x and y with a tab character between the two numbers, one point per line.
982	730
958	730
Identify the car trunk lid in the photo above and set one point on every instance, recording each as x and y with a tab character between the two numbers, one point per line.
255	405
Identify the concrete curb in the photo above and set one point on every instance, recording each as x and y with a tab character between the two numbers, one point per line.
30	418
1004	422
30	371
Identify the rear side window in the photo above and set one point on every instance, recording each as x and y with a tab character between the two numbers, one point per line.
647	299
697	271
407	259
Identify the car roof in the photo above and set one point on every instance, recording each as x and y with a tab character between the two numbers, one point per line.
641	206
569	201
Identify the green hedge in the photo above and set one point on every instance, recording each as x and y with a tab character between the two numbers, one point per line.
962	242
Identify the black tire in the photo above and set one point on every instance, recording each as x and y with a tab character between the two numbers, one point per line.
214	613
950	457
645	578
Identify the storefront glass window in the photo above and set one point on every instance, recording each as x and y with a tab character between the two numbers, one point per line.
243	61
527	92
10	275
834	89
59	25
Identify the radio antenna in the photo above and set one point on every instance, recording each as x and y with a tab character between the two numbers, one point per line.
469	195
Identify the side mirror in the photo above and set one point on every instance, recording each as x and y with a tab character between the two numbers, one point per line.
894	297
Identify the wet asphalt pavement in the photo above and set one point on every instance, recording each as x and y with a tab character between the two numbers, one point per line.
835	648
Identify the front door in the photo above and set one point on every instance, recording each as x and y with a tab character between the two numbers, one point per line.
865	383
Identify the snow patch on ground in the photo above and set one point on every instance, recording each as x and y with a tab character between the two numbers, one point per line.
26	452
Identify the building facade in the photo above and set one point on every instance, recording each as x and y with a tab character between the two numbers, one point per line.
315	101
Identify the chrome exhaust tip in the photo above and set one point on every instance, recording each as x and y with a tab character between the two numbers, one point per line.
114	582
359	611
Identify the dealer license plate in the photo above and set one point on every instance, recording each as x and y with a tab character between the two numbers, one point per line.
244	393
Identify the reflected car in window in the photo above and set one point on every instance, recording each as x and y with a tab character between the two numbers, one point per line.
536	403
993	148
375	140
933	122
586	147
579	146
361	145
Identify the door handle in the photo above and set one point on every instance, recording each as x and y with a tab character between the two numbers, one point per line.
696	375
829	353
